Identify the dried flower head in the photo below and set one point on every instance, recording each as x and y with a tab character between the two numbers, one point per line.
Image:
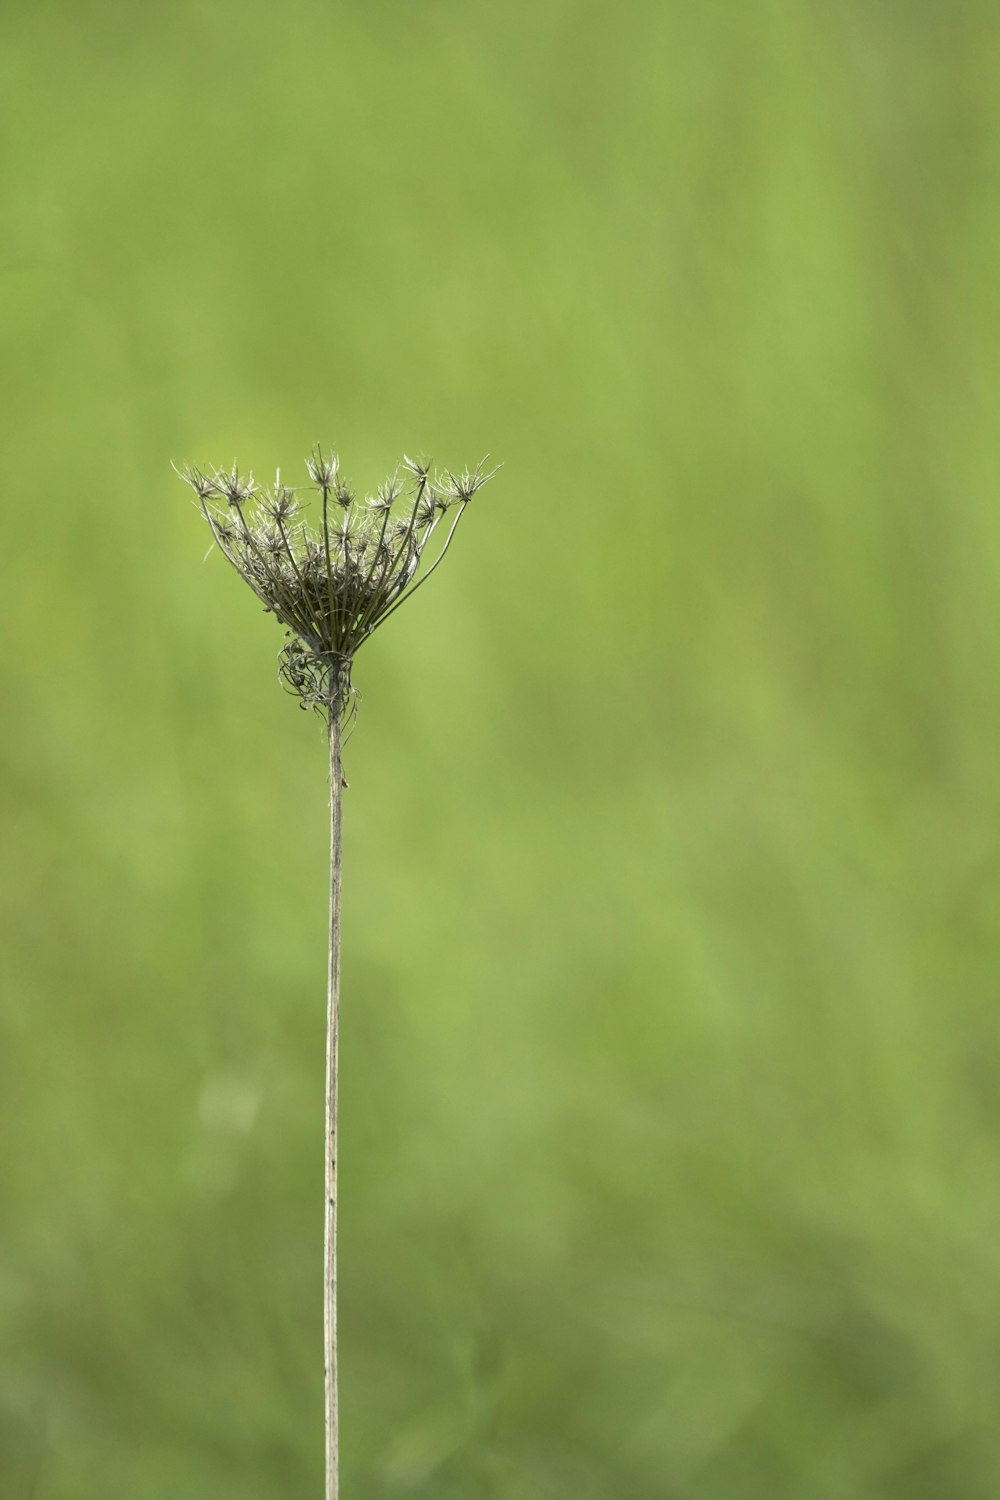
333	586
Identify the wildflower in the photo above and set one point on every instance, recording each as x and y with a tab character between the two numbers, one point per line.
332	587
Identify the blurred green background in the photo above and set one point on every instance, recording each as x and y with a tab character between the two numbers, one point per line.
671	1120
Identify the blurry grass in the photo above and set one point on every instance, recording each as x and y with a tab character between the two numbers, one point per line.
670	1121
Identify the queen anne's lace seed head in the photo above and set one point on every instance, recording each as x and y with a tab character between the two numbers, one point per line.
333	586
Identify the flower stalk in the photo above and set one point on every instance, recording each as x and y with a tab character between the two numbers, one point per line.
332	590
332	1080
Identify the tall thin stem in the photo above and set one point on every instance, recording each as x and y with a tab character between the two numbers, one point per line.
332	1030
